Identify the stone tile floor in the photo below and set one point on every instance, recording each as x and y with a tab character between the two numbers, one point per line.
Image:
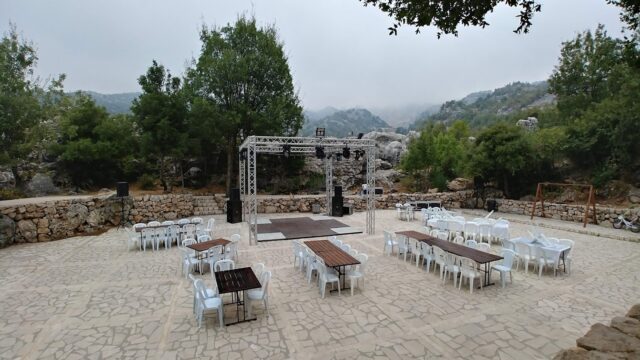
89	297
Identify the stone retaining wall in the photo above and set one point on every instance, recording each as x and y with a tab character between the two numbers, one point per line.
566	212
61	219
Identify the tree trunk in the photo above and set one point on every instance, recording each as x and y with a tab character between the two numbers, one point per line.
505	185
16	175
162	174
231	151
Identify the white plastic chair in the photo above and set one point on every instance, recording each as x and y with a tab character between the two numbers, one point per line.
258	269
189	262
468	270
357	272
161	237
231	249
459	240
311	264
439	260
214	255
197	220
325	277
470	230
153	223
403	245
133	238
211	224
298	254
451	268
182	222
148	237
484	232
415	250
456	228
471	243
203	238
524	255
168	222
389	242
189	231
224	265
443	235
547	258
353	252
400	211
346	247
206	305
209	292
173	233
505	266
483	247
261	294
427	255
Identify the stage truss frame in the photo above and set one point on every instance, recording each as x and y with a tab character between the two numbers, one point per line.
332	147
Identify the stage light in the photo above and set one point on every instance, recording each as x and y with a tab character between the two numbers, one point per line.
346	153
359	154
338	156
243	155
320	152
319	132
286	150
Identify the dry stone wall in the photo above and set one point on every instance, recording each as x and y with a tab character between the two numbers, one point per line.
64	218
566	212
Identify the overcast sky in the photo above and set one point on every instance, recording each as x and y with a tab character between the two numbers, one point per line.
340	52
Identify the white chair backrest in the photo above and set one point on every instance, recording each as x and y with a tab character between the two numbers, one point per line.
139	226
522	249
167	222
353	252
265	279
258	268
363	258
468	266
508	256
484	247
154	223
196	220
438	253
425	249
161	233
433	233
187	242
459	240
346	247
224	265
203	238
183	221
189	230
236	237
471	243
508	244
443	235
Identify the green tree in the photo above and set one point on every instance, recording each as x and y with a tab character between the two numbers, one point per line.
503	154
160	114
93	147
446	16
19	107
243	71
588	72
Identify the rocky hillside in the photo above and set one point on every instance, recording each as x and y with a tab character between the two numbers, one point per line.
485	107
342	123
114	103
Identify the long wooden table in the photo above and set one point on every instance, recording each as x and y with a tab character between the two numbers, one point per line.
332	256
476	255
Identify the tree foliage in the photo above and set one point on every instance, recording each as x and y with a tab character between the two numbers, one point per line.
446	16
243	73
160	114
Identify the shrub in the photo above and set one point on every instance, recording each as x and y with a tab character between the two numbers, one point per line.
147	182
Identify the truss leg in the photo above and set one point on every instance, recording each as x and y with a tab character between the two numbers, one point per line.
371	187
328	175
252	207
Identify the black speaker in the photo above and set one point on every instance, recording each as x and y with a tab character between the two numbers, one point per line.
235	194
492	205
122	189
234	211
336	206
337	192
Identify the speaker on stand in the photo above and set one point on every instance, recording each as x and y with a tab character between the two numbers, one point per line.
234	207
337	202
122	192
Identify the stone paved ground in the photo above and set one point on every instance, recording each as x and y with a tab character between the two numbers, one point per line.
88	297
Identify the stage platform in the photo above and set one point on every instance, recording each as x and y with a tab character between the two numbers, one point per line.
302	228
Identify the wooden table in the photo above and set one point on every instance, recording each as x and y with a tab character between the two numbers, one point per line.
476	255
206	245
332	256
163	226
237	281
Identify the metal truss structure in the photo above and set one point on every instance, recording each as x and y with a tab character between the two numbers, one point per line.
278	145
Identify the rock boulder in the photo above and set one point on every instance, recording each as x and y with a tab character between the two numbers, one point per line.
604	338
76	215
7	180
7	231
41	185
28	230
459	184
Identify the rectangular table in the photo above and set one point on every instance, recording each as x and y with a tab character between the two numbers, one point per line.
164	226
561	250
332	256
476	255
237	281
206	245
